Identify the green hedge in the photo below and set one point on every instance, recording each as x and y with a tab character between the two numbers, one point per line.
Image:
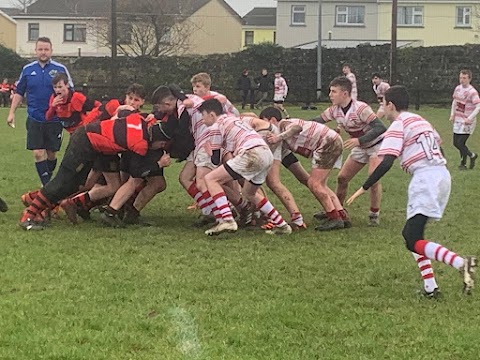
432	71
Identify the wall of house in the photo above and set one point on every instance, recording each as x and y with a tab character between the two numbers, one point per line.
289	35
439	25
8	32
215	30
54	29
260	35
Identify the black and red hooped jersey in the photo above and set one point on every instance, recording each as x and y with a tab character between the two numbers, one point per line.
115	136
74	112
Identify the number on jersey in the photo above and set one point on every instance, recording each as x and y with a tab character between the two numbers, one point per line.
429	145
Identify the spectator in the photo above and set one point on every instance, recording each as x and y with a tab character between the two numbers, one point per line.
5	90
246	86
264	84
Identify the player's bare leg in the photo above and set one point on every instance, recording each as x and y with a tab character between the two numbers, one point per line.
92	179
224	216
317	183
154	185
251	193
110	215
347	172
82	203
284	195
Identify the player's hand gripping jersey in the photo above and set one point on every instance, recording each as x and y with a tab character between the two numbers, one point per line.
311	137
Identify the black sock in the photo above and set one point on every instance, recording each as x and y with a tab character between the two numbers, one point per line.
52	164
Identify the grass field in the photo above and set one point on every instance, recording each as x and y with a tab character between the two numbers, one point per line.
170	292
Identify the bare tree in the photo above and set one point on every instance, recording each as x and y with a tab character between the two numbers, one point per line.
150	27
22	4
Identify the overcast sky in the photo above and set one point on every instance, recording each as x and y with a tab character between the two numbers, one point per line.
240	6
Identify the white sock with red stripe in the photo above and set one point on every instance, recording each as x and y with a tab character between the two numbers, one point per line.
273	215
224	213
206	203
438	252
297	218
426	270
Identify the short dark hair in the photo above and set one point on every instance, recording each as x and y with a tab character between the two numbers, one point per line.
43	39
374	75
467	72
161	93
343	83
212	105
60	77
270	112
398	96
137	89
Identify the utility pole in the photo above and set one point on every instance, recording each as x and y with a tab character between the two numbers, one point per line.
114	71
393	48
319	51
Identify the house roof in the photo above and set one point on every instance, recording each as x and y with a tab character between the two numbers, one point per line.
10	11
100	8
68	8
6	16
261	16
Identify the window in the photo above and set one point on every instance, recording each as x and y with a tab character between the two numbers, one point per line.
350	15
464	16
410	15
75	32
33	31
124	34
248	38
298	14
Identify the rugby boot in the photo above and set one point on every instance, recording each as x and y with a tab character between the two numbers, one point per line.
331	224
70	208
373	219
435	294
468	274
473	158
111	220
29	221
280	230
224	226
3	205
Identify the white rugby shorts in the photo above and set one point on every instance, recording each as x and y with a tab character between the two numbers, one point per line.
253	164
428	192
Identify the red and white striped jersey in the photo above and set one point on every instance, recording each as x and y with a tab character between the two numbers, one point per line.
466	99
280	86
228	107
237	135
353	80
276	149
356	122
309	139
381	89
415	141
201	132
